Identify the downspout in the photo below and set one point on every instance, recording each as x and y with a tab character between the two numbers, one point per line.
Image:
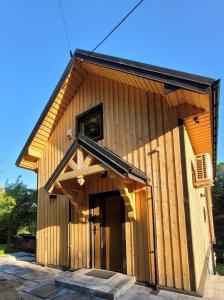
69	235
215	88
155	284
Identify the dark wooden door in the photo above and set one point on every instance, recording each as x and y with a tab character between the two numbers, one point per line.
113	210
107	232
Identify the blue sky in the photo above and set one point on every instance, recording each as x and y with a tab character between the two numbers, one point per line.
185	35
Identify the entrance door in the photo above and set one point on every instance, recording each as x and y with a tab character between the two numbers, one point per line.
107	232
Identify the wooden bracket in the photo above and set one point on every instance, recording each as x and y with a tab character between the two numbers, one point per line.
127	193
74	201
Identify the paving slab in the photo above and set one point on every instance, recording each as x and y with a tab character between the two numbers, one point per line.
15	270
40	281
138	292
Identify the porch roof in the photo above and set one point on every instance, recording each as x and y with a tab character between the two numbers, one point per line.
102	154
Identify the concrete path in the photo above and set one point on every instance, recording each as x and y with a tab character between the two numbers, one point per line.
41	282
214	287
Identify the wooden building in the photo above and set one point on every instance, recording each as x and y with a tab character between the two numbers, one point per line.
118	151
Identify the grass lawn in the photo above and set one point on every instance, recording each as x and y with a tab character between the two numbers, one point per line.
2	249
220	269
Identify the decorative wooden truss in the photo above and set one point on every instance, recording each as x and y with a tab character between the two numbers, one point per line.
78	167
86	157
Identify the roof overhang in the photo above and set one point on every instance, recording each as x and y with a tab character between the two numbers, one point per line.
167	82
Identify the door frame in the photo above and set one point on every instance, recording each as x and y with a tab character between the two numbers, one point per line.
101	197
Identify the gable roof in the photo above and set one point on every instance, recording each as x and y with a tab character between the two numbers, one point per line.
102	154
170	78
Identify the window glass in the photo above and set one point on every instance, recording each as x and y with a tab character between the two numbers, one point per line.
91	123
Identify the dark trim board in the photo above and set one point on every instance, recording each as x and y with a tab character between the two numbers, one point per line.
174	79
45	111
184	80
78	119
107	157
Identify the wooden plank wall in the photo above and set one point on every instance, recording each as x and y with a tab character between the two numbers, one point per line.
137	123
199	227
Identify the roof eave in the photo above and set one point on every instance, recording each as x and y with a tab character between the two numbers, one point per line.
193	82
44	112
180	79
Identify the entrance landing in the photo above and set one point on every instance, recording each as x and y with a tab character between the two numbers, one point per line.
111	288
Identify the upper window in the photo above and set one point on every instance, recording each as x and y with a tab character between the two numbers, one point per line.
90	123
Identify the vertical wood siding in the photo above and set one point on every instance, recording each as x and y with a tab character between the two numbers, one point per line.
140	127
200	228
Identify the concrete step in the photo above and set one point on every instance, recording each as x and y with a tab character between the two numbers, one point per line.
111	288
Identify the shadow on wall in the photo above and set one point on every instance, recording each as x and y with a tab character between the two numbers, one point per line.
139	124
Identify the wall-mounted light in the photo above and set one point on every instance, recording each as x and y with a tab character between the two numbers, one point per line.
69	133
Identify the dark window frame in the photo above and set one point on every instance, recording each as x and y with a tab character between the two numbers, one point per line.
98	109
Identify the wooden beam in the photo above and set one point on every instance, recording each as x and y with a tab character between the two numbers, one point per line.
72	165
80	158
32	151
67	193
81	172
88	160
51	188
74	201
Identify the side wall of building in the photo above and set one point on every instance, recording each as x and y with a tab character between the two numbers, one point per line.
200	217
140	127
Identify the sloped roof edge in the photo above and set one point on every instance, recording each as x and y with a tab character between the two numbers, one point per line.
181	79
184	80
107	157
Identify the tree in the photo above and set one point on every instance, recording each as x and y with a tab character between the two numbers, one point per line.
20	208
7	204
218	207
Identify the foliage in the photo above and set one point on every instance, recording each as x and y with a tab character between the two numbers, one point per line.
220	269
218	208
28	229
7	203
4	249
17	209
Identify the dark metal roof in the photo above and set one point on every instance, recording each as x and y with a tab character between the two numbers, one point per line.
169	77
104	155
45	111
184	80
